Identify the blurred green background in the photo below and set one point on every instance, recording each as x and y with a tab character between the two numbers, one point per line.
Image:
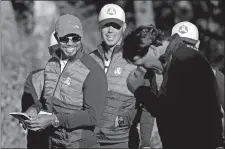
27	25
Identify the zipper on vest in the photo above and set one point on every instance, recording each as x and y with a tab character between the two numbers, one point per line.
59	77
114	63
111	58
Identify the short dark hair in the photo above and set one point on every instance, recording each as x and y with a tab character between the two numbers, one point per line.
139	41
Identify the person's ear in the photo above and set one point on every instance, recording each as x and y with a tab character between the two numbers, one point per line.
197	44
124	26
99	26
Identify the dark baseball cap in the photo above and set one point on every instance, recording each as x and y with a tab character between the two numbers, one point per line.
68	24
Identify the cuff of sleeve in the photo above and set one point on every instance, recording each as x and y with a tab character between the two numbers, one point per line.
61	119
149	99
140	92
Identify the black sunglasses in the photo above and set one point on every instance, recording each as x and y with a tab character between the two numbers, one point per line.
114	25
73	38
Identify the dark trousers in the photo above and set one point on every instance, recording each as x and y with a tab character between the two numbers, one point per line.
37	140
114	145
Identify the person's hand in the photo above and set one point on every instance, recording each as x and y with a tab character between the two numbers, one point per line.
150	60
135	79
41	122
31	112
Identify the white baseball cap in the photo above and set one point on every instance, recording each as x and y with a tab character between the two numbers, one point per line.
111	13
187	31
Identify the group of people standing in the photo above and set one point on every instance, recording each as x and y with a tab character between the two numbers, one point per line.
97	99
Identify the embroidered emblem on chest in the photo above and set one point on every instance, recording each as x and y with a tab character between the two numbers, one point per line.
67	81
118	71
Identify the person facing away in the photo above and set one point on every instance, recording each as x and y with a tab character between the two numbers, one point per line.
70	94
191	38
120	109
186	108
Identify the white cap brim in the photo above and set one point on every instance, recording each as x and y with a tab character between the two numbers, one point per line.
109	20
189	40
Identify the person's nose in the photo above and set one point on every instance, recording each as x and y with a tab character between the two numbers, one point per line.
70	42
110	29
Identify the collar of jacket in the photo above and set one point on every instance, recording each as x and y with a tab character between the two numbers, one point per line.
103	47
174	42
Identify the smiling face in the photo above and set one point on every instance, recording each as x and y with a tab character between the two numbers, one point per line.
112	33
70	44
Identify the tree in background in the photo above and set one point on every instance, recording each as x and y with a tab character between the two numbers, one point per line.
24	15
144	14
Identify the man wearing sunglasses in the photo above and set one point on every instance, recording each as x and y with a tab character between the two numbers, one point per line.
70	96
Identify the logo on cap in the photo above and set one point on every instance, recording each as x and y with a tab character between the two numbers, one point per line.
72	24
183	29
76	26
111	11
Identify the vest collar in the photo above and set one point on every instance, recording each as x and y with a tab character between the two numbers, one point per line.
174	42
103	47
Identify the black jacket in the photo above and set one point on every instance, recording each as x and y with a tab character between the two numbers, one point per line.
187	108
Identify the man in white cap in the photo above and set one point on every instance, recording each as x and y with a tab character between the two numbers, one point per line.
112	26
188	33
119	113
113	130
190	36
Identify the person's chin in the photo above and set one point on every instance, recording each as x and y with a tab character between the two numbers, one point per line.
110	42
70	54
